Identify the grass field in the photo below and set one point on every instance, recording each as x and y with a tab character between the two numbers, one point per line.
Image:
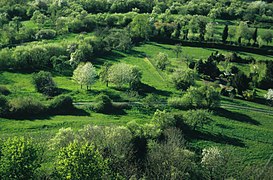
248	132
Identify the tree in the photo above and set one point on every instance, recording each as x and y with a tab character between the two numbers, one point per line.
162	61
20	158
241	82
140	27
225	34
44	83
183	79
104	73
169	158
16	23
177	49
197	118
255	35
210	31
269	96
267	36
212	160
85	74
3	106
242	31
80	161
163	119
122	73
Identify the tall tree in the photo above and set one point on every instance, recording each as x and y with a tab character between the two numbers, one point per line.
85	74
255	35
104	73
177	49
225	34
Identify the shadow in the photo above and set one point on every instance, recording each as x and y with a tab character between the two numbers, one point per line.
224	126
236	116
160	46
219	138
111	56
262	101
137	54
47	115
145	89
191	134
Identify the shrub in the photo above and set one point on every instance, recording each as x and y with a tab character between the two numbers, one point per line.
163	119
4	90
78	161
19	159
45	34
44	83
197	118
162	61
62	139
183	79
184	102
61	105
103	104
23	107
3	106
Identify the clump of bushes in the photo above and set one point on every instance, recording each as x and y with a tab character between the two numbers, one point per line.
3	106
45	34
103	104
4	90
20	159
23	107
61	105
44	83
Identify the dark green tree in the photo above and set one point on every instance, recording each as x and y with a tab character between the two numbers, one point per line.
255	35
225	34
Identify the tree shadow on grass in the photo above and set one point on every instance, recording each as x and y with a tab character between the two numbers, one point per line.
236	116
145	89
111	56
137	54
49	115
191	134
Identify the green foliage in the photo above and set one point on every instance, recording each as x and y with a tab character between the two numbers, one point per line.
20	159
184	102
103	104
85	74
163	119
241	82
162	61
61	105
197	118
44	83
183	79
104	73
169	159
121	74
4	107
4	90
23	107
62	139
45	34
81	161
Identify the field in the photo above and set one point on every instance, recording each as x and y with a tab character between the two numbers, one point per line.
243	126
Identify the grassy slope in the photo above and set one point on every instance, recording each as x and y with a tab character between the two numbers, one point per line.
248	132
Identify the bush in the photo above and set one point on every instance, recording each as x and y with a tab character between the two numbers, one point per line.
3	106
78	161
61	105
197	118
103	104
44	83
45	34
184	102
19	159
24	107
4	90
